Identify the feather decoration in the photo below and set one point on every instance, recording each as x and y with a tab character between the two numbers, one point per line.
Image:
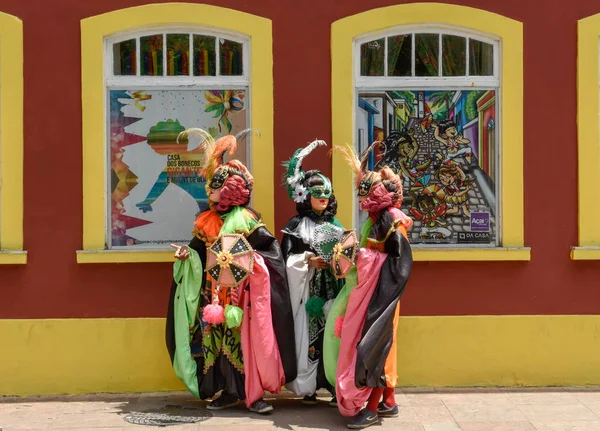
358	165
299	156
200	137
352	159
364	159
294	174
246	133
214	156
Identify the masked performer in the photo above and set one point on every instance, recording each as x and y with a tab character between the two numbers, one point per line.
307	248
233	340
360	335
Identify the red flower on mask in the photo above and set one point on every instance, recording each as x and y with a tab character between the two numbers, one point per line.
233	193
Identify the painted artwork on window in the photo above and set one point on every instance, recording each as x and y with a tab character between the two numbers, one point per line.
444	144
155	189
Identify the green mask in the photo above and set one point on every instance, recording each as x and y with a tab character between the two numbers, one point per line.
321	192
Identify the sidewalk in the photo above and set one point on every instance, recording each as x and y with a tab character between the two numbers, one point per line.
546	409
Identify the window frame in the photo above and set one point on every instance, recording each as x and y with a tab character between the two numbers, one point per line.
370	24
185	80
426	81
11	131
118	25
588	138
433	83
175	83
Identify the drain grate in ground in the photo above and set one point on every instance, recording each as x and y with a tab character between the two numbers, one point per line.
168	415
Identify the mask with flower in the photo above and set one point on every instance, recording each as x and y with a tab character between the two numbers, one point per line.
296	179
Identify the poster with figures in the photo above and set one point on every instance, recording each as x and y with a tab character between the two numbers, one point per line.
444	145
155	187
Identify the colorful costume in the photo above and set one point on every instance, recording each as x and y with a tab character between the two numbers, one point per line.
360	335
230	339
312	291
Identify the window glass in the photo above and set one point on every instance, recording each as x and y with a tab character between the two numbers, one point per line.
444	145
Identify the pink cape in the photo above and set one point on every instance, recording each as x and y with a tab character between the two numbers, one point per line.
262	364
350	398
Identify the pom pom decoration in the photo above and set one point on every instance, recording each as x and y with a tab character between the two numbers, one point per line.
213	314
337	329
233	316
314	306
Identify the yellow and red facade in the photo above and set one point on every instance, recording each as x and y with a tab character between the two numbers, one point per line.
76	318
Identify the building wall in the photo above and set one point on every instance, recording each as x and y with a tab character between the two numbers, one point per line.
53	286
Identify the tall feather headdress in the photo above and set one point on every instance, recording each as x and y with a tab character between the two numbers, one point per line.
294	174
213	150
357	163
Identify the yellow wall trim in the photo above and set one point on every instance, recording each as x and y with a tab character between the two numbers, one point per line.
117	256
588	136
13	257
585	253
510	32
129	355
471	254
93	32
11	134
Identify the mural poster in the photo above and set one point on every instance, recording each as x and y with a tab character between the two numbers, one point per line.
445	146
155	189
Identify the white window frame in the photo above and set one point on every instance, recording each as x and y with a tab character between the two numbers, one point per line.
175	83
426	81
400	83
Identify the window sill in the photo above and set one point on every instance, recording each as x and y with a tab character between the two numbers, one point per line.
585	253
472	254
124	256
10	257
419	255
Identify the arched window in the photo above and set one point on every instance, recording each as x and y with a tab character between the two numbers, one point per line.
148	73
159	83
430	92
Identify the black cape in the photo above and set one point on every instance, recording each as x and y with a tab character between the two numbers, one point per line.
222	375
378	331
292	244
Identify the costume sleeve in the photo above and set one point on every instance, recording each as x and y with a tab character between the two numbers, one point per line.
378	331
267	246
200	248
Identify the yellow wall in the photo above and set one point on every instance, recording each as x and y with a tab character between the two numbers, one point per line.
11	140
128	355
588	137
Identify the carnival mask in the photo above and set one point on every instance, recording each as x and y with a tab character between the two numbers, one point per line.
219	178
364	188
321	191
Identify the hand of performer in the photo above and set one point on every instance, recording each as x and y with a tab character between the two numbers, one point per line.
317	262
181	252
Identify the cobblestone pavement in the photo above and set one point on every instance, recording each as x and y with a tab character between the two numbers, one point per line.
424	409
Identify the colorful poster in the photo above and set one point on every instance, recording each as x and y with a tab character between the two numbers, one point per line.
155	185
445	146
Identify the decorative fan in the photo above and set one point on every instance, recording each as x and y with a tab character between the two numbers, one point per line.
324	238
230	260
344	254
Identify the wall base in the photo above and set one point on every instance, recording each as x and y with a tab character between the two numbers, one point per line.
60	356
